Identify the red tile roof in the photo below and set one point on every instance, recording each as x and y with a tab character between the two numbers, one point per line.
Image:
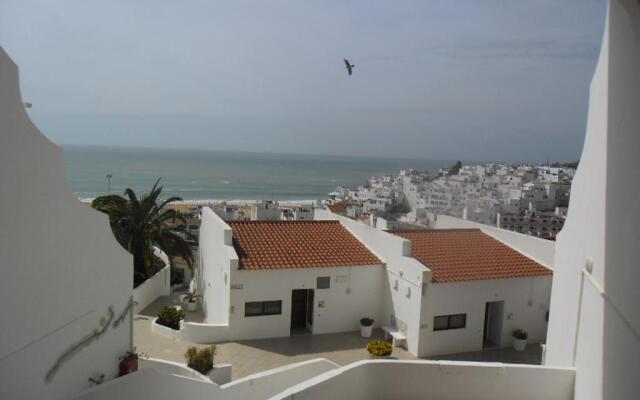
456	255
339	207
297	244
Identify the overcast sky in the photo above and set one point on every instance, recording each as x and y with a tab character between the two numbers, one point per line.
475	80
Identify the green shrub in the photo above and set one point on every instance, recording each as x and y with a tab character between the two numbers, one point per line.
379	348
520	334
366	321
170	317
201	359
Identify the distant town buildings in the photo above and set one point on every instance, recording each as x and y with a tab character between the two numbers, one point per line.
530	199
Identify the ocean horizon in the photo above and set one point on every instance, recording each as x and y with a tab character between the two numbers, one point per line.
215	175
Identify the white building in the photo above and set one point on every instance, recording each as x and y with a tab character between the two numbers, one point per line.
266	210
265	279
268	279
593	341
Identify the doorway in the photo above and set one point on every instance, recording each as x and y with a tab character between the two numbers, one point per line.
301	311
493	312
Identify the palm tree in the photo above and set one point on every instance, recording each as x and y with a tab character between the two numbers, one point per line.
140	224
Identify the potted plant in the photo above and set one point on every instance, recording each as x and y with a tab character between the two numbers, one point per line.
170	317
520	339
129	362
191	300
201	359
366	327
379	349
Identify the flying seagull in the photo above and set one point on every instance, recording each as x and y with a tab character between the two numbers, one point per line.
350	66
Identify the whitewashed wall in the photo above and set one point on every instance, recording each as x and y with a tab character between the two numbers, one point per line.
156	286
434	380
150	383
595	319
526	302
61	267
355	292
404	303
217	258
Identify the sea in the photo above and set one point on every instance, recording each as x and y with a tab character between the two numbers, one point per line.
205	175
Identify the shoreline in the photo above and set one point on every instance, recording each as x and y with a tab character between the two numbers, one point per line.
237	202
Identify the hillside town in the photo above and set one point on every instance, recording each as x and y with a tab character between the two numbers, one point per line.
529	199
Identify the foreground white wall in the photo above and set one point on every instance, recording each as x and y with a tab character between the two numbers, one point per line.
63	273
435	380
158	384
595	319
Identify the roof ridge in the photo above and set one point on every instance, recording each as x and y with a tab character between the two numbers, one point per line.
284	222
437	230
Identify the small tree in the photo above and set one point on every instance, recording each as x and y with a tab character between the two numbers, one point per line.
140	224
455	168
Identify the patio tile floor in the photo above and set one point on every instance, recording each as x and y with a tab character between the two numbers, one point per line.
252	356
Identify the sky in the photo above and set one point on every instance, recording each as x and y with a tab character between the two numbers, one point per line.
500	80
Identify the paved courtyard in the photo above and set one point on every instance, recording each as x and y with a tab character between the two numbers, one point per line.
251	356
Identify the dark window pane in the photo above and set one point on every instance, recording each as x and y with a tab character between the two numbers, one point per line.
272	307
323	282
252	308
440	322
457	321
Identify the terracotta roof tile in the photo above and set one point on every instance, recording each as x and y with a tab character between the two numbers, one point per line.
297	244
339	207
456	255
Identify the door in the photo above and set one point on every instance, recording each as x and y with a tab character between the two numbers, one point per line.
299	310
310	310
493	323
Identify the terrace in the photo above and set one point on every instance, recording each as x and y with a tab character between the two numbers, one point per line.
252	356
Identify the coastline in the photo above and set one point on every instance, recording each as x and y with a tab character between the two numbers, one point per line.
214	202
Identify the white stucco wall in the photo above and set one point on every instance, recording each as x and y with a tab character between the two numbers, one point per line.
355	292
154	287
526	302
61	267
217	258
401	267
151	383
433	380
595	319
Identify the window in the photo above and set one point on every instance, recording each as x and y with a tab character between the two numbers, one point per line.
323	282
256	308
444	322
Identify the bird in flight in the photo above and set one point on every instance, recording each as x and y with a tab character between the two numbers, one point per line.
350	66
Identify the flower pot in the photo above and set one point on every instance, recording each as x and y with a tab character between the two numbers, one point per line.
128	364
366	331
192	306
519	344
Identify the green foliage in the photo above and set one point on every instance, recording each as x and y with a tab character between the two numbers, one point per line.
398	207
191	297
177	275
379	348
455	168
201	359
140	224
170	317
520	334
366	321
